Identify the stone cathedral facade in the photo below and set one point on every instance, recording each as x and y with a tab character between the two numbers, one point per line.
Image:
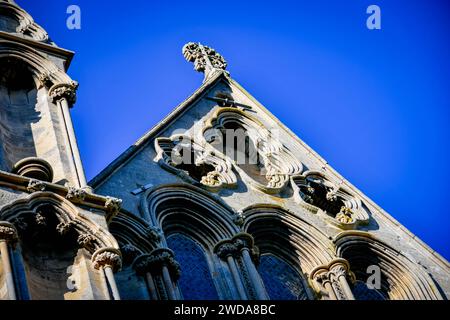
218	201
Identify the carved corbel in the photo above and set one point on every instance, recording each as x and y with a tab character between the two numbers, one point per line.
76	194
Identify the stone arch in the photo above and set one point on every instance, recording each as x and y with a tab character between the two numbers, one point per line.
134	235
295	240
18	21
136	238
67	214
58	266
401	279
185	210
42	68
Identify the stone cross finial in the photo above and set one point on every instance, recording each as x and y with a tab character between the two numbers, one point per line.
205	59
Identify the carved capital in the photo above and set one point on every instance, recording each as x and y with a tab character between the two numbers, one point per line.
35	186
7	232
234	246
224	249
64	91
331	273
107	257
154	262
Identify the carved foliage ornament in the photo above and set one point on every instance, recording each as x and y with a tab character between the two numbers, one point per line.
7	232
107	257
321	196
203	57
154	262
254	145
194	163
233	247
64	90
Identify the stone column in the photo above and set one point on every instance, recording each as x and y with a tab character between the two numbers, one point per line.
241	248
157	266
226	251
333	280
108	260
249	252
8	235
64	95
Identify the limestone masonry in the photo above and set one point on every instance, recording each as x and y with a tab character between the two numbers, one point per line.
234	206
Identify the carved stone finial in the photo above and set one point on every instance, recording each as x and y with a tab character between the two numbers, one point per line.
107	257
7	231
205	59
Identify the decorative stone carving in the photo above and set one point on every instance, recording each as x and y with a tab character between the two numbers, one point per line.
261	158
108	257
320	195
7	232
234	246
76	194
194	163
63	227
35	186
154	262
64	90
40	219
239	219
154	234
113	205
86	241
333	278
205	59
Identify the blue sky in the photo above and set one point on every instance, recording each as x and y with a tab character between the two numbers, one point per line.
374	103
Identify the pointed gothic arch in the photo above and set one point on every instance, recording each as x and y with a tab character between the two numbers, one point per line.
289	243
194	219
401	278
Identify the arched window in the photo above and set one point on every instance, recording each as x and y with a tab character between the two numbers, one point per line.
195	282
362	292
282	282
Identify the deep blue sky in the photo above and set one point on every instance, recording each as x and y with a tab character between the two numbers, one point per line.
375	104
